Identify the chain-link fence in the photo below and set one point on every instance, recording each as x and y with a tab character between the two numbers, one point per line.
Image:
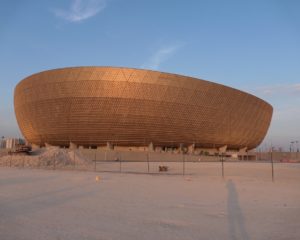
136	162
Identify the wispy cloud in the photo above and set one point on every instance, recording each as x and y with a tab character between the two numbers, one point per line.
81	10
161	55
280	89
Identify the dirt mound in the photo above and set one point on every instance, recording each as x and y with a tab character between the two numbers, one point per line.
46	157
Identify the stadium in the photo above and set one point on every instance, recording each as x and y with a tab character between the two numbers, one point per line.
135	108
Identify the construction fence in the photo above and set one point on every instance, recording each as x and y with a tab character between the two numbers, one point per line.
138	163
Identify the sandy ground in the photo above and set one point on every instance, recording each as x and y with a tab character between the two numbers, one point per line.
48	204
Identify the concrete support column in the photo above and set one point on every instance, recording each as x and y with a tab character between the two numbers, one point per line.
109	146
242	152
47	145
180	148
151	147
223	149
72	145
191	148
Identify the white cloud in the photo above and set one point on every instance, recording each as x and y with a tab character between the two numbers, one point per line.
81	10
289	113
280	89
160	56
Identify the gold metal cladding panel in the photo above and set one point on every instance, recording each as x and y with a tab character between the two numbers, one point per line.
96	105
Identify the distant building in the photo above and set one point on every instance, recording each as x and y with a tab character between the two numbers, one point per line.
11	142
2	143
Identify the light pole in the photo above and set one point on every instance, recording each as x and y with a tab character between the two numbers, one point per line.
292	147
272	163
297	148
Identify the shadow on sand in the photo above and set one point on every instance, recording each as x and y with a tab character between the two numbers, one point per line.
236	221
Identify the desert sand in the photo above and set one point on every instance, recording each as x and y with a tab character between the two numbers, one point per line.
65	204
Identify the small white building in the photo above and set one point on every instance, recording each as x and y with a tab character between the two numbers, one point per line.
2	143
12	142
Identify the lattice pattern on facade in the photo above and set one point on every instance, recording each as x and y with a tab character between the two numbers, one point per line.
91	106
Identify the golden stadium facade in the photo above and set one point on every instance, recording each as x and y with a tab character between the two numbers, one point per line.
93	106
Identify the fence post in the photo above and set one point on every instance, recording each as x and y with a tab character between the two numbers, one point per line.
183	164
54	162
272	163
222	160
95	167
148	162
74	158
120	163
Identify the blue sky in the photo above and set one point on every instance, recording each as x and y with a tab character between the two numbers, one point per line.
250	45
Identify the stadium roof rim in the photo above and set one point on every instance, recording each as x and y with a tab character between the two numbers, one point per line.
150	70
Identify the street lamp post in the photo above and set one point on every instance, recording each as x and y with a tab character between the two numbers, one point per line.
292	147
272	163
297	148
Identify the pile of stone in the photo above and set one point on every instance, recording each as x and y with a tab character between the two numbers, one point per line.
50	157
